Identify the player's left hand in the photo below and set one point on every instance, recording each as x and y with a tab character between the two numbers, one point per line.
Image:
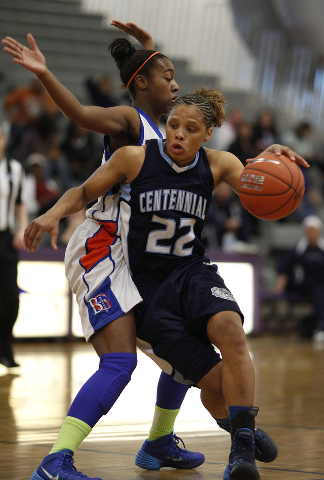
35	231
288	152
140	34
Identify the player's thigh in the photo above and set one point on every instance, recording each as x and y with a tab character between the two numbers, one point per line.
205	294
116	336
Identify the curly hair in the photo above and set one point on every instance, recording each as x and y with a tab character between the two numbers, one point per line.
209	101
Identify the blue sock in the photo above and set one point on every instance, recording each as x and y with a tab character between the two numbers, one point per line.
233	411
170	394
100	392
224	423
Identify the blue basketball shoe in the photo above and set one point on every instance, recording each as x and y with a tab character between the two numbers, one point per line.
165	452
59	466
265	449
241	465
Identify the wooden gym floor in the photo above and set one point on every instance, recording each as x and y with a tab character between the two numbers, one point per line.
35	397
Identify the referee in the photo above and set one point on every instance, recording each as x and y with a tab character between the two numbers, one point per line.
13	221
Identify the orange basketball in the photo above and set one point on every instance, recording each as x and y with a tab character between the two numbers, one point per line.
271	186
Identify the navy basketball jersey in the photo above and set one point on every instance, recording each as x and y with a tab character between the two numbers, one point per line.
163	212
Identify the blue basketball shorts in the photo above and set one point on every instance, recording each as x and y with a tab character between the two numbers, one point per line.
174	314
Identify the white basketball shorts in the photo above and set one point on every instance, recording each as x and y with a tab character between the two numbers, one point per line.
98	275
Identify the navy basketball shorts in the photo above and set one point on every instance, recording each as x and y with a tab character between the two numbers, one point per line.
174	314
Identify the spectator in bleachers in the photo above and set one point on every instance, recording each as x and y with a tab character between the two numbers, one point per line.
42	193
44	138
265	131
23	107
228	219
311	204
81	152
101	91
222	137
301	274
302	139
242	146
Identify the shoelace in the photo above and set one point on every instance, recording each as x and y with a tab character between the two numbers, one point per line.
174	444
67	465
243	450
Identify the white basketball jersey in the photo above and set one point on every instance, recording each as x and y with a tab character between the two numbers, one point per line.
107	208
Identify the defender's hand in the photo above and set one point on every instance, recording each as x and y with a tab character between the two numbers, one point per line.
140	34
30	58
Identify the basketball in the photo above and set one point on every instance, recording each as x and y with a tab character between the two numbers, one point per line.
271	186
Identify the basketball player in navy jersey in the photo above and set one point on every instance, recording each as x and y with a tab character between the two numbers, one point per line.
166	191
75	427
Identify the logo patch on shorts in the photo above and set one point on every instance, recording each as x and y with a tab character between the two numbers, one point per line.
222	293
100	303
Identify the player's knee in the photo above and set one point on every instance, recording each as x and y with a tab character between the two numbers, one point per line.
225	330
213	388
121	367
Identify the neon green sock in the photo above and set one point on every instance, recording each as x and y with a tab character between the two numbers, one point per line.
72	433
163	422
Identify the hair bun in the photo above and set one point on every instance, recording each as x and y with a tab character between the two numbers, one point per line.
120	49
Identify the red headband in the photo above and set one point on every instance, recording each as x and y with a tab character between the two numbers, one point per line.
134	74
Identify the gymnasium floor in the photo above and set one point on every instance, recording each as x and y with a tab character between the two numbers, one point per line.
35	398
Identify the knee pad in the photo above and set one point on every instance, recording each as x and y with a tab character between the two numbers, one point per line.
119	367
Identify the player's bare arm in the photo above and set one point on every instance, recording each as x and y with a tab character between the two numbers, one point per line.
122	167
113	121
140	34
225	167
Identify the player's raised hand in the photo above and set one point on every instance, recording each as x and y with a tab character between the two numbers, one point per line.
30	58
283	150
35	231
140	34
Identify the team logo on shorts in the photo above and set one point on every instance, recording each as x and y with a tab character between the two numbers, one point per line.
222	293
100	303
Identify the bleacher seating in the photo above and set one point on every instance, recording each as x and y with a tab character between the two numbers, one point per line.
73	42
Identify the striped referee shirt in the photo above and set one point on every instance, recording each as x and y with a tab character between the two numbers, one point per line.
12	178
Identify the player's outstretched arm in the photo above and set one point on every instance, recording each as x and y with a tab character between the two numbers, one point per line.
71	202
110	121
288	152
123	165
140	34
